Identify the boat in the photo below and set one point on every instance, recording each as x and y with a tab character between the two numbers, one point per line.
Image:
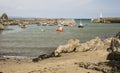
65	25
60	29
44	24
22	25
80	25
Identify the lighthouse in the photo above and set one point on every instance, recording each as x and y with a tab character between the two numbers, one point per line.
101	15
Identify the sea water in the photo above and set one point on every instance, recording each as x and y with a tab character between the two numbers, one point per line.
33	41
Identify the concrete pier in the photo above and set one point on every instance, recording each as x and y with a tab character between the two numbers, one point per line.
106	20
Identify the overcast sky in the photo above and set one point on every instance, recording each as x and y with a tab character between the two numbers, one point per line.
60	8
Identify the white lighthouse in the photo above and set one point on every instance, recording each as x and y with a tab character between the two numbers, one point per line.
101	15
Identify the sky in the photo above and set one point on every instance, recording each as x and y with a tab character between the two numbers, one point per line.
60	8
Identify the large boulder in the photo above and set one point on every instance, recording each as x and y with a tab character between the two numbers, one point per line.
115	43
90	45
4	16
74	45
1	26
107	41
70	47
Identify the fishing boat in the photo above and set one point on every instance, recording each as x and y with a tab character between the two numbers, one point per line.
80	25
60	29
22	25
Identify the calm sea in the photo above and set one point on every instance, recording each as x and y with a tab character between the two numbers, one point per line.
31	41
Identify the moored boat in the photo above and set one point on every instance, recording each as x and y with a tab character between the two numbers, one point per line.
80	25
22	25
60	29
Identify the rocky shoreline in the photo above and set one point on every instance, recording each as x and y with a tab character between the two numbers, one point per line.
91	57
73	45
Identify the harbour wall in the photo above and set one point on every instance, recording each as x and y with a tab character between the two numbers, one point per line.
106	20
5	20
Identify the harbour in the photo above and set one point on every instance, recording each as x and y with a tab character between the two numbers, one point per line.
31	41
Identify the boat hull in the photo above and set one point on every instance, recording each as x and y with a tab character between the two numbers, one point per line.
59	30
80	26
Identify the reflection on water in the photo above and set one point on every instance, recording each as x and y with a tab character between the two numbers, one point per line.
32	41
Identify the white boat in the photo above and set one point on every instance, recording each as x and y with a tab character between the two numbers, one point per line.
22	25
80	25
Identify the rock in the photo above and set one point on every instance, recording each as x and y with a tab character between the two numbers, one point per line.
2	58
107	41
90	45
43	56
1	26
74	45
35	59
114	56
118	35
115	43
4	16
70	47
93	66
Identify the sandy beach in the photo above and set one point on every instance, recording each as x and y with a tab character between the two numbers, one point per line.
63	64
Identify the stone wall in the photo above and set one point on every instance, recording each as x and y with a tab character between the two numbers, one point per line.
106	20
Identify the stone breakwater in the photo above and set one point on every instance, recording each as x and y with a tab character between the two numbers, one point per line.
5	20
106	20
16	21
